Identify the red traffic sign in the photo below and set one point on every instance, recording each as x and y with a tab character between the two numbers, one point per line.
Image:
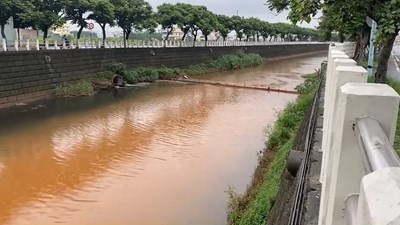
90	26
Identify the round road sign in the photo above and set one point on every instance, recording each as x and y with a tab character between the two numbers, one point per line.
90	26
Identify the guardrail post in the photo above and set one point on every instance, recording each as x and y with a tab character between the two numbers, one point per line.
46	44
345	72
4	44
332	55
28	45
379	201
355	100
16	46
64	45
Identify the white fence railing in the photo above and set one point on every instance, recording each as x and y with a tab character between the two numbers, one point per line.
360	174
24	45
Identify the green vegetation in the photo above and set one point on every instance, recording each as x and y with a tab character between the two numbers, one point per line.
348	20
254	206
396	86
139	16
227	62
81	88
151	74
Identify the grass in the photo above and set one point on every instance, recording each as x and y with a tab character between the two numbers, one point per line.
396	86
151	74
254	206
81	88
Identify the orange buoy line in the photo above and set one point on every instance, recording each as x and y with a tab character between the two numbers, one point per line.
219	83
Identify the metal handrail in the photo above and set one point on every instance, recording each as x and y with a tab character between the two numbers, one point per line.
376	149
377	153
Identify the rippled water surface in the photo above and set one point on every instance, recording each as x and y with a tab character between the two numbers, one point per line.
162	154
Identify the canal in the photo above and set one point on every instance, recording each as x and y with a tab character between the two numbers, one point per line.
160	154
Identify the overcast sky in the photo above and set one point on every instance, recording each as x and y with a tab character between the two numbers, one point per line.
246	8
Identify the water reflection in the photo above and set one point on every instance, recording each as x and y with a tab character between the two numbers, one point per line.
163	154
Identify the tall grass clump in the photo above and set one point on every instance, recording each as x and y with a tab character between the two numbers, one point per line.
254	210
81	88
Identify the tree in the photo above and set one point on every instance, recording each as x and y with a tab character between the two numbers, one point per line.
237	26
185	17
167	16
352	14
22	12
207	24
48	14
223	26
132	14
103	14
75	12
6	11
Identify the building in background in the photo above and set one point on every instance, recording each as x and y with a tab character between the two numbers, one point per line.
176	34
63	30
13	33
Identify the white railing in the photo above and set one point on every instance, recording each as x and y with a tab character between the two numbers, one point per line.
24	45
360	174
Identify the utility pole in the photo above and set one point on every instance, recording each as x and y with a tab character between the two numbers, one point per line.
371	53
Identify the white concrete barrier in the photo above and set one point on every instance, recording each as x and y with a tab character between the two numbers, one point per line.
346	169
347	99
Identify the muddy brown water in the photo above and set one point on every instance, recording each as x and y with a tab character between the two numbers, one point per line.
161	154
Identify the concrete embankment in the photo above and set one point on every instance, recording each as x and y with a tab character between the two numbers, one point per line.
30	75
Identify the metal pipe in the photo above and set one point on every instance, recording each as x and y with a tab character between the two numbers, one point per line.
376	149
351	207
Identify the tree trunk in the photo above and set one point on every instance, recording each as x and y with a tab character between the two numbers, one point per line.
45	34
205	40
362	43
381	71
127	34
3	34
195	38
78	35
103	28
224	38
168	33
184	35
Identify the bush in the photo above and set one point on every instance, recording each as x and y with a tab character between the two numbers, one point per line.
166	73
118	68
81	88
132	77
146	74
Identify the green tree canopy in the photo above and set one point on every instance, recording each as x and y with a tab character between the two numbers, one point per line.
167	16
75	11
103	14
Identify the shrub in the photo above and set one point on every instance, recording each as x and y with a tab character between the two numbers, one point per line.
166	73
118	68
132	77
81	88
146	74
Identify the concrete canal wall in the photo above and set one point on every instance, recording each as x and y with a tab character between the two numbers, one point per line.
30	75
